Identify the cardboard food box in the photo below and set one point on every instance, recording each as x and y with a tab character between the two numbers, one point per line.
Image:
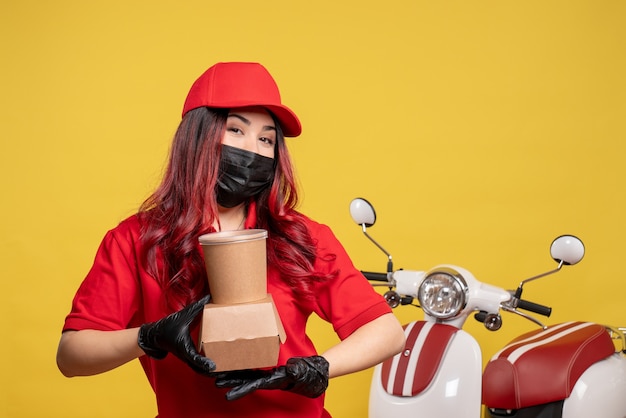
242	336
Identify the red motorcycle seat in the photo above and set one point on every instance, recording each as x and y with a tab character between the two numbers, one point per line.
543	366
411	371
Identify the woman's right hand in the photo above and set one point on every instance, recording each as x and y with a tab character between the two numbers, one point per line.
89	352
172	335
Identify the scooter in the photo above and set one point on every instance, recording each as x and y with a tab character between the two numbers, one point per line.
568	370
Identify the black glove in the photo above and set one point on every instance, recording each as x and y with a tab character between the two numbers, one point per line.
307	376
172	334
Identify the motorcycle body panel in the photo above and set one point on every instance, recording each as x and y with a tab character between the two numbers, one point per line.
453	391
600	391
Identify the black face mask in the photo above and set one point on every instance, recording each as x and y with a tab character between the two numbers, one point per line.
243	174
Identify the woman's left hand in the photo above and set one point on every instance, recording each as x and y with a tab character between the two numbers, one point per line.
307	376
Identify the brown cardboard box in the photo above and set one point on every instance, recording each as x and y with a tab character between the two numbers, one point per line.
242	336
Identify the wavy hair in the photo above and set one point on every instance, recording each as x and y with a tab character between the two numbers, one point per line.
184	206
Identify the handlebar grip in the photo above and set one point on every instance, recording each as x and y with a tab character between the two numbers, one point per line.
534	307
378	277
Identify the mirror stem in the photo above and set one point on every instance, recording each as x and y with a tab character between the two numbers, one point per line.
389	262
518	293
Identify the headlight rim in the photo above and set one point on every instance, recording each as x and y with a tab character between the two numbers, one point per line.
464	292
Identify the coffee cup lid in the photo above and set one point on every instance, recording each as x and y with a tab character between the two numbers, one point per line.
230	237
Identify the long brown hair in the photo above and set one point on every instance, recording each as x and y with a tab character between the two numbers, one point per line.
184	206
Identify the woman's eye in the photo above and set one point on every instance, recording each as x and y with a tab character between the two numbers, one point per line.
234	130
268	141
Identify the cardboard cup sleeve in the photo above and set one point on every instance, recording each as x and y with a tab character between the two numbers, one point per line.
236	265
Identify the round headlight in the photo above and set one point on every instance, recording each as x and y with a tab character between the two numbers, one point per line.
443	293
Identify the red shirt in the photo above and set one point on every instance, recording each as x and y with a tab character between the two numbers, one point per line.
118	294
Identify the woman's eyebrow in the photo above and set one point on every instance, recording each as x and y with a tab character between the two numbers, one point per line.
241	118
247	121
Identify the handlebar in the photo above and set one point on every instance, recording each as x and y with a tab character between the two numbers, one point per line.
480	316
534	307
377	277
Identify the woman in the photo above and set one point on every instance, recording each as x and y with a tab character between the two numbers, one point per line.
229	169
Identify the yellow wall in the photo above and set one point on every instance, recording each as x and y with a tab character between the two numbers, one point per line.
479	129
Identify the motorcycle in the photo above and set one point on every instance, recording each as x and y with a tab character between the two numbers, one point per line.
567	370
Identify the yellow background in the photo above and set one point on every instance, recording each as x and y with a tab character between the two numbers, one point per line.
479	129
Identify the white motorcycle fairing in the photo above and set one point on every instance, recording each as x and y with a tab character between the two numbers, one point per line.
435	375
594	393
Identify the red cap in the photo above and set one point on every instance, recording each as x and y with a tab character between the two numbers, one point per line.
240	84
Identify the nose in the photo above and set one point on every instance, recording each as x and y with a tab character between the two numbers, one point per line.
250	143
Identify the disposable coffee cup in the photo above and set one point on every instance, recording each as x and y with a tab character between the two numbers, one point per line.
236	265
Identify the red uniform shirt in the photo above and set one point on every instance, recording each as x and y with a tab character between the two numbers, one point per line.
118	294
